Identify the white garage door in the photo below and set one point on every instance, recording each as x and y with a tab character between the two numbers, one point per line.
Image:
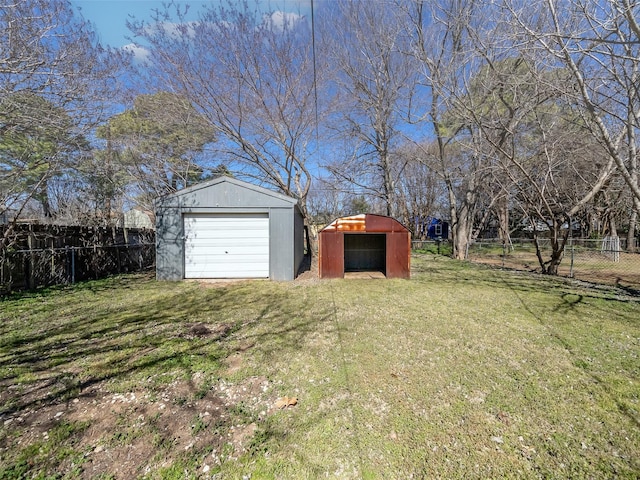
226	246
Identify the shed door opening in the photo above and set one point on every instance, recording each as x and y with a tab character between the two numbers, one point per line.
226	246
365	252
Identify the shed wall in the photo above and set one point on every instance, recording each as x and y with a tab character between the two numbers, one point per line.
169	244
332	244
281	233
398	255
331	251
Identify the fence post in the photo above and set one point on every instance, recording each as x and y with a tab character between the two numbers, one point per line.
53	262
571	265
31	261
73	265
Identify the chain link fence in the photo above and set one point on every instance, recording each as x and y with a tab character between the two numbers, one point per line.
31	269
44	255
605	261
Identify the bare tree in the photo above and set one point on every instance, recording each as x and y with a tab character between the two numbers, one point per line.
46	49
496	120
598	43
446	36
421	193
528	124
251	76
325	202
375	76
556	174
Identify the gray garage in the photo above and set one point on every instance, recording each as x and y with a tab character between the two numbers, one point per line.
226	228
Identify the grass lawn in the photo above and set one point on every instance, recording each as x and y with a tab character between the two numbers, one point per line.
460	372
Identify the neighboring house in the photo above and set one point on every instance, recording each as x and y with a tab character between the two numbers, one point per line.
438	229
136	218
431	228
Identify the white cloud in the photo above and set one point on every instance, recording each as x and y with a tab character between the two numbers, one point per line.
140	54
279	19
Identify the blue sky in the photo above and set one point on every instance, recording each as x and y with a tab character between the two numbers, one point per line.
110	16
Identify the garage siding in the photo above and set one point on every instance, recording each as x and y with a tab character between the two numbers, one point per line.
193	249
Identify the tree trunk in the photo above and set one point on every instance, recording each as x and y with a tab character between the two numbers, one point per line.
503	222
554	262
633	222
613	228
461	231
389	194
558	242
46	206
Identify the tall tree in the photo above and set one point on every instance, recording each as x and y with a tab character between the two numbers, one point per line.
557	173
53	80
39	142
525	126
157	142
450	41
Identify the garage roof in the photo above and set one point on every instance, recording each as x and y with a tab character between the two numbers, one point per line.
226	191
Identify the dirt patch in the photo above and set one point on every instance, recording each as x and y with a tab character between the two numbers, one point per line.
132	433
234	363
200	330
364	275
308	272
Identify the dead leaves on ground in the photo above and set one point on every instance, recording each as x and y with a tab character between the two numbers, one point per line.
285	402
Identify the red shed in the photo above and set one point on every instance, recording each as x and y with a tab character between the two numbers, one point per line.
365	242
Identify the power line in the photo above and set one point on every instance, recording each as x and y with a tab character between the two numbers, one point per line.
315	78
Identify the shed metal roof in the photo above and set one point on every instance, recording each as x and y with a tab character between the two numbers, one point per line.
365	222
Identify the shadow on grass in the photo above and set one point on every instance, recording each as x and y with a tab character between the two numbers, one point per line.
58	344
454	273
568	302
566	310
280	321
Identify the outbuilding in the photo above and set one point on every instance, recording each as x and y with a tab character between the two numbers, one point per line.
365	243
227	228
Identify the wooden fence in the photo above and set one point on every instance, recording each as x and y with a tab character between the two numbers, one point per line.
43	255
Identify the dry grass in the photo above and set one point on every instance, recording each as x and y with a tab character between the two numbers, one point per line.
460	372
